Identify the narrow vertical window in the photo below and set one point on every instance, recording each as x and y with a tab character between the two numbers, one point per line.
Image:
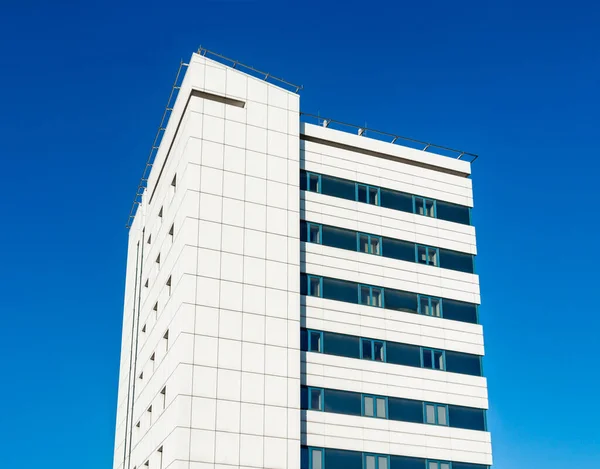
149	411
172	231
153	360
147	283
315	341
155	309
315	399
169	286
315	286
144	328
174	183
316	458
166	340
427	255
313	182
158	260
314	233
423	206
160	457
436	414
149	238
163	398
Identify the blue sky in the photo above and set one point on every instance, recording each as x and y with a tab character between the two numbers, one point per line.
83	87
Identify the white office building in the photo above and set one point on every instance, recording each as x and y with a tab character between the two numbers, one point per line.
300	293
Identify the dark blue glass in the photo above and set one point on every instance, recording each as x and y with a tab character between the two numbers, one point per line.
403	354
466	417
453	212
455	260
341	345
465	363
343	402
406	410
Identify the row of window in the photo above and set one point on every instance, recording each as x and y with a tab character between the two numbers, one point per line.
387	247
343	345
388	198
329	458
392	408
389	298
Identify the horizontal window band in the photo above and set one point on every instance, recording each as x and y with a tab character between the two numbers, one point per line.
388	298
385	351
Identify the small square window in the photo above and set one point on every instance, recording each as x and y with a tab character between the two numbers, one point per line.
314	233
315	399
315	341
315	286
313	182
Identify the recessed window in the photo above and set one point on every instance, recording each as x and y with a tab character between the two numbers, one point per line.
169	285
315	286
163	396
313	182
427	255
174	182
144	328
160	213
375	406
376	461
315	341
423	206
147	283
141	376
153	357
150	238
372	350
315	399
367	194
430	306
370	244
172	231
166	340
436	414
316	458
160	457
138	425
370	296
438	465
433	359
158	259
314	233
155	307
147	463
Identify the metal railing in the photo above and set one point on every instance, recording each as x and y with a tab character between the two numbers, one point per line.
248	69
388	137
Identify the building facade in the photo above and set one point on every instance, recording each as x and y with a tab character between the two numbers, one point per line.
297	296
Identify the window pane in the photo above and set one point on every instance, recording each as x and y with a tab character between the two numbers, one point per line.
378	353
341	345
466	417
338	238
363	243
383	462
376	297
370	462
340	290
375	245
429	208
401	250
316	459
313	183
315	399
345	459
369	406
365	295
433	465
432	256
342	402
338	187
373	196
421	254
465	363
454	260
405	410
429	413
441	415
303	178
401	301
419	205
424	305
315	286
362	193
427	361
460	311
314	235
403	354
444	465
381	408
453	212
438	360
367	351
435	309
396	200
315	341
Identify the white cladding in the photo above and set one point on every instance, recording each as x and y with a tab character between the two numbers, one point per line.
211	367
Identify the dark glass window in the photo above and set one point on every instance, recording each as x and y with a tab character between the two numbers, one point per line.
303	397
427	255
314	182
466	417
315	341
341	345
401	301
342	402
337	187
401	250
460	311
337	459
465	465
453	212
465	363
405	410
433	359
396	200
315	399
430	306
403	354
424	206
406	462
456	261
372	350
340	290
339	238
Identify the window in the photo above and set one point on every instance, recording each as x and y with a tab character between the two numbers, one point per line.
315	399
375	406
155	308
149	415
147	283
438	465
174	182
367	194
376	461
166	340
158	259
163	397
315	341
169	286
153	359
423	206
370	244
160	457
315	458
436	414
150	238
370	296
372	350
172	231
433	359
430	306
427	255
314	233
144	328
313	182
160	213
141	375
315	286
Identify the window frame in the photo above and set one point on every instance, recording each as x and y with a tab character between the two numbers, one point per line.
427	249
372	346
320	333
438	462
429	298
376	456
432	351
423	201
367	187
369	237
311	450
322	397
371	287
309	277
308	227
319	182
374	397
436	415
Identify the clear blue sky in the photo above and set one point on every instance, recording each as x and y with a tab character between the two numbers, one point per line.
82	89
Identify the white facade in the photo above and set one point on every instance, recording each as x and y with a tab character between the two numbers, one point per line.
211	361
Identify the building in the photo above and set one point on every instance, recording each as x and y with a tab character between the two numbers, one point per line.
297	295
